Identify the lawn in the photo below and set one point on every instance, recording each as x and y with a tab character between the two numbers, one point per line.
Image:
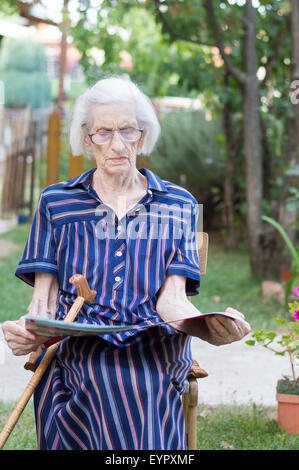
23	436
15	294
242	428
219	428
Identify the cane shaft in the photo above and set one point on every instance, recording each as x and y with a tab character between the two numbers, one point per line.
35	379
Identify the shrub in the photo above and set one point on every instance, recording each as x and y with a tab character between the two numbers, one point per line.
23	71
188	152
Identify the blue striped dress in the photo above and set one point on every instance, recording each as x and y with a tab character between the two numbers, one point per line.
120	391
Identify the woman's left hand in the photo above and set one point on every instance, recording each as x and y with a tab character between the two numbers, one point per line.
224	330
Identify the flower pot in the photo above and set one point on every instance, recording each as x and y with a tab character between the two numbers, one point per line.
288	413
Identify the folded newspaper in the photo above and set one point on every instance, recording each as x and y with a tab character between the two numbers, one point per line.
54	328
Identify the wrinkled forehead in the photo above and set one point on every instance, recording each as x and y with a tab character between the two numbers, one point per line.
112	115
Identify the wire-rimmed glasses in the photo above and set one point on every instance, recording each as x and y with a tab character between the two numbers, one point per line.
128	134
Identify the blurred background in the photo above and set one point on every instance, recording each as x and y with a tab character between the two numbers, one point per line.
224	79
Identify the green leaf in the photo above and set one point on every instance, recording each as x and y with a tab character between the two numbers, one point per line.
279	320
295	327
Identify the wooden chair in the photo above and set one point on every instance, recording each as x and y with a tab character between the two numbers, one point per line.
190	397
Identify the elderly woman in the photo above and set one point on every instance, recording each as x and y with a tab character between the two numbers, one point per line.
133	236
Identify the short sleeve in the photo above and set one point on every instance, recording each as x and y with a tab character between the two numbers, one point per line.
40	250
185	262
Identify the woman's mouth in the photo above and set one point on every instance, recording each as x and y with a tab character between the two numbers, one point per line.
118	159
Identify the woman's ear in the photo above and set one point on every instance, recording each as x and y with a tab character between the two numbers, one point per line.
141	141
86	139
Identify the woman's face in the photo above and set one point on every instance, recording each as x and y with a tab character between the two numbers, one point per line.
117	155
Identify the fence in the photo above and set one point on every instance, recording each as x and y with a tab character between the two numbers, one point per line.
32	146
55	134
18	135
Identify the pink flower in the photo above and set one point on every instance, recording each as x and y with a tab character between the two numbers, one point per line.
296	291
296	315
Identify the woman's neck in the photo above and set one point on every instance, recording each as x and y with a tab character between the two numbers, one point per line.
120	192
110	185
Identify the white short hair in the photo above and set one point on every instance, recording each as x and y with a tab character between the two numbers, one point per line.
114	90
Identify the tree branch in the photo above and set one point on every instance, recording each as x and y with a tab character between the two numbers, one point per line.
276	49
24	9
174	33
238	74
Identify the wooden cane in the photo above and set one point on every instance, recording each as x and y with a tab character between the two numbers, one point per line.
84	295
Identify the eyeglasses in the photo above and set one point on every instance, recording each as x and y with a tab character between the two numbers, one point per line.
129	134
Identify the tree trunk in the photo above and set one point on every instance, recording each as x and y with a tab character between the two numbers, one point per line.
230	240
252	145
294	160
287	218
277	253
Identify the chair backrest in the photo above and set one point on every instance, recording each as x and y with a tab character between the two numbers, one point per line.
202	246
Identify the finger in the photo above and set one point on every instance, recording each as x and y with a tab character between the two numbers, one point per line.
235	312
13	328
21	351
225	328
19	340
242	328
246	328
229	323
217	327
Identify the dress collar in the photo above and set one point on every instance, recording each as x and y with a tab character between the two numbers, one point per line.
154	181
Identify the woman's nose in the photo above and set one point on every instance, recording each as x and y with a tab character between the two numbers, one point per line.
116	141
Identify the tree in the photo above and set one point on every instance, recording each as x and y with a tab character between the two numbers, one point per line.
287	213
125	41
246	39
246	77
23	71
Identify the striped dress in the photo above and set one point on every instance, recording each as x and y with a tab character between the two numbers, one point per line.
120	391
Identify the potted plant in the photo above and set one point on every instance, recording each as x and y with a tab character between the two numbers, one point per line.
287	389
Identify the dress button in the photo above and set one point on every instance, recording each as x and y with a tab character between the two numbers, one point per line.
118	253
119	227
117	278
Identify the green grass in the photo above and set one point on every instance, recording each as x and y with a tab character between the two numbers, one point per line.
23	436
242	428
228	277
15	294
218	428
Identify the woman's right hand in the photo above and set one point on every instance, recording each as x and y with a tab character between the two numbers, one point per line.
20	340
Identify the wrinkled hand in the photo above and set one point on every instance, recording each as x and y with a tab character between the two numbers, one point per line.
224	330
20	340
